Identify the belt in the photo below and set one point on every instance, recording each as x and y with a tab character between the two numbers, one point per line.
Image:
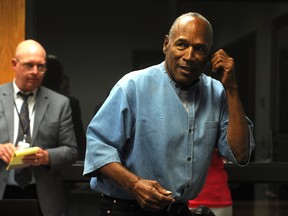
121	205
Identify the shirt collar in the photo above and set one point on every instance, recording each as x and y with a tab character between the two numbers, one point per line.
175	85
16	90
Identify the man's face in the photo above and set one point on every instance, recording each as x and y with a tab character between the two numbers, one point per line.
187	51
29	70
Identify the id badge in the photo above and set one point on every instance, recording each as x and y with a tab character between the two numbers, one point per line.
23	145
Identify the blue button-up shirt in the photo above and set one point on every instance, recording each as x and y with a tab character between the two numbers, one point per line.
144	125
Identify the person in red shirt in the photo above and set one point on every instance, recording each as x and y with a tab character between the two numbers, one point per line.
216	193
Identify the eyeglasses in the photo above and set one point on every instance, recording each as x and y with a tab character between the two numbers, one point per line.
30	66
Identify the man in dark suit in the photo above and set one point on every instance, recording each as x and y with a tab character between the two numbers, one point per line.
51	129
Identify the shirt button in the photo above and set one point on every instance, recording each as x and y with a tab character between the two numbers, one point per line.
190	130
189	158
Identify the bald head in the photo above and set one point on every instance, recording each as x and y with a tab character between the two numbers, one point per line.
29	47
184	18
29	65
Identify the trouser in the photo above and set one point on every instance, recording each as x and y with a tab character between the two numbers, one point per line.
15	192
119	207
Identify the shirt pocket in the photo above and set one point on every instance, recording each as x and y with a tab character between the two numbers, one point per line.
211	136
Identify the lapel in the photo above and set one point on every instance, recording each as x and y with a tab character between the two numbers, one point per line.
41	104
7	98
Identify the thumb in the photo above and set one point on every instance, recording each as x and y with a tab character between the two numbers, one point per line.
162	190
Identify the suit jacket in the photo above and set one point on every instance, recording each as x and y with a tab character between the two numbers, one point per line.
53	131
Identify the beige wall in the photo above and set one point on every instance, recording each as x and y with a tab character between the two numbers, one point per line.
12	31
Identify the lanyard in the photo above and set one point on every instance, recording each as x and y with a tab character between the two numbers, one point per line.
21	123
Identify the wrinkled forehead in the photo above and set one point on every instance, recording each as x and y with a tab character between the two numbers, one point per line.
193	29
195	25
36	56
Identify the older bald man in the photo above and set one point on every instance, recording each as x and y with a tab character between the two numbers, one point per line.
50	128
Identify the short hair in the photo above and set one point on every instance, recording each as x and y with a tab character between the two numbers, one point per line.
190	14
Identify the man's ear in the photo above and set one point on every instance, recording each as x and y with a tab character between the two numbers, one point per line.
212	51
166	41
14	62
